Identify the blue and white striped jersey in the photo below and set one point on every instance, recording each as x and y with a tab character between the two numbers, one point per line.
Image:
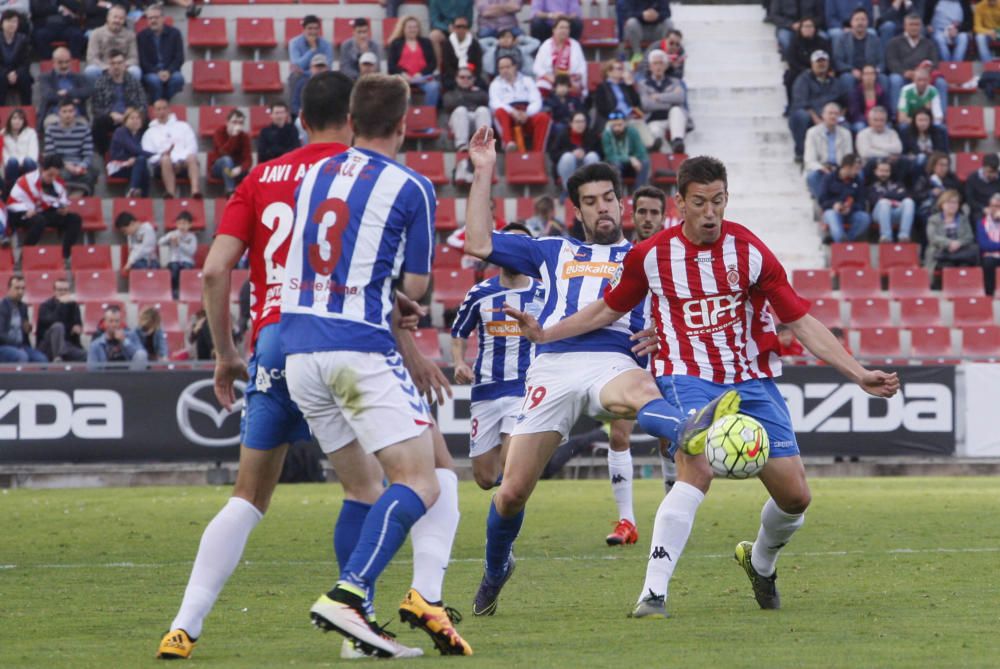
504	355
574	275
361	220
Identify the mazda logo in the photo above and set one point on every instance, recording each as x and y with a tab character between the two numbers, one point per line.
189	403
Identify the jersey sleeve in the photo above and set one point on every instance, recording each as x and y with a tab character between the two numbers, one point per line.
468	316
519	253
418	255
630	284
773	283
238	216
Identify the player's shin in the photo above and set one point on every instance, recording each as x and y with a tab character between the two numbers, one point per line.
346	533
620	471
661	419
671	529
500	535
433	536
776	529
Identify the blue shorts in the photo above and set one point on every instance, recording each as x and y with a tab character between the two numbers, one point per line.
270	417
760	400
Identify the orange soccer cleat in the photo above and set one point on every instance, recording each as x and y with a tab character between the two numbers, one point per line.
624	533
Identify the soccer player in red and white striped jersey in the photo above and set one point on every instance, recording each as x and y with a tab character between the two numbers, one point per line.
711	281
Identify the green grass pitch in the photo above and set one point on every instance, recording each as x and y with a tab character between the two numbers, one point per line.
885	573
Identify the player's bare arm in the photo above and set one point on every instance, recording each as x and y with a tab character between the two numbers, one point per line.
462	370
415	286
478	218
818	339
226	251
594	316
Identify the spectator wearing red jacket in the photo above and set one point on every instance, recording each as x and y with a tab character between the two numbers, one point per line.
231	153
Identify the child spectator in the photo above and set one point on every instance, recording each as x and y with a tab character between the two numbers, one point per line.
843	199
231	154
142	250
127	158
562	104
182	245
890	203
20	147
988	238
505	44
149	336
951	241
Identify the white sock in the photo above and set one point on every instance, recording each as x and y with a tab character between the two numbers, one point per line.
776	528
433	536
620	471
218	554
671	530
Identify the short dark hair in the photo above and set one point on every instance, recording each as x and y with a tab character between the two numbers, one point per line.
520	227
325	100
701	170
859	10
934	159
52	160
562	19
505	30
589	174
992	161
124	219
115	53
309	19
562	79
913	16
850	160
649	191
235	113
66	102
14	277
10	14
279	103
360	22
185	215
503	58
378	104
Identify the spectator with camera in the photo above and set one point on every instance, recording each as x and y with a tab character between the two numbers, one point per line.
115	343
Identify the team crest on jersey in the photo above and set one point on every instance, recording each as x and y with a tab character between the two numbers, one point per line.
733	276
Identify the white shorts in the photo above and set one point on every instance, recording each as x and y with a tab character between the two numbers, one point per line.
490	420
348	395
561	387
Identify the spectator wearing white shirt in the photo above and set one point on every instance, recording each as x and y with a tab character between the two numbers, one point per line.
878	140
561	54
182	245
516	102
142	250
174	149
20	147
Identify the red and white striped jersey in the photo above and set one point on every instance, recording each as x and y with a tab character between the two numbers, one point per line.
709	303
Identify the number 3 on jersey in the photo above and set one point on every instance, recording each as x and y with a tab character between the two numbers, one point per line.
534	397
332	217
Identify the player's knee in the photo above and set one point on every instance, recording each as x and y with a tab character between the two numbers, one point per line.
485	477
510	500
795	503
641	394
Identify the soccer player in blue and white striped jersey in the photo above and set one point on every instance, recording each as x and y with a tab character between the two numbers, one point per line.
498	374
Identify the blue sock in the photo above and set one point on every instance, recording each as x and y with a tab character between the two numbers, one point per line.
346	533
500	535
496	484
384	531
661	419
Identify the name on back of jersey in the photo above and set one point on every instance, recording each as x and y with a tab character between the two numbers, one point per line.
322	286
277	173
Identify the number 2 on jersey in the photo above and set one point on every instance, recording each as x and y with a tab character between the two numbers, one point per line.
332	217
280	218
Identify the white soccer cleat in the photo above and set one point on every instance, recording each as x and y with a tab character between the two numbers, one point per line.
348	618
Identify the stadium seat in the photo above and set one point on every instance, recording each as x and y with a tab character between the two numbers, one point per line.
870	313
38	284
169	315
663	167
898	255
909	281
95	285
447	257
140	207
428	343
93	312
174	206
191	287
176	342
525	169
595	75
849	254
7	260
430	164
388	25
211	76
859	283
260	118
149	285
30	114
965	122
812	283
211	117
879	342
90	257
599	32
262	77
930	342
966	163
957	74
919	312
422	123
972	311
983	340
255	33
962	282
343	30
451	285
41	258
92	213
207	33
45	66
462	155
525	208
445	218
827	311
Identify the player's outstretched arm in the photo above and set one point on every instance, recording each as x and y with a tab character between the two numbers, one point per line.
226	251
478	217
594	316
820	342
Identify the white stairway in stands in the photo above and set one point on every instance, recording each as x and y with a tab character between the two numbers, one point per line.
733	73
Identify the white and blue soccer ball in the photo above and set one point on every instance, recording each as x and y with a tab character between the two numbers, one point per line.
737	447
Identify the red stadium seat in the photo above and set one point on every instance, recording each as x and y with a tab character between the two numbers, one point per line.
967	163
445	218
930	342
879	342
972	311
236	280
260	118
849	254
41	258
190	287
957	73
428	343
343	30
90	257
255	33
140	207
524	208
169	316
462	155
599	32
211	117
149	285
447	257
38	284
898	255
859	283
919	311
422	123
7	260
451	285
45	66
95	285
827	311
211	76
869	313
388	26
193	206
92	213
983	340
262	77
663	167
430	164
909	281
965	122
29	113
524	169
207	33
812	283
595	74
93	312
962	282
176	343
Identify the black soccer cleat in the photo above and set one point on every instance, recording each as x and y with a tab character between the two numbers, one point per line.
485	603
765	588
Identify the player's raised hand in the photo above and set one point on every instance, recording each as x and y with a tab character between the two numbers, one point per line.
879	383
646	342
531	329
227	372
482	149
